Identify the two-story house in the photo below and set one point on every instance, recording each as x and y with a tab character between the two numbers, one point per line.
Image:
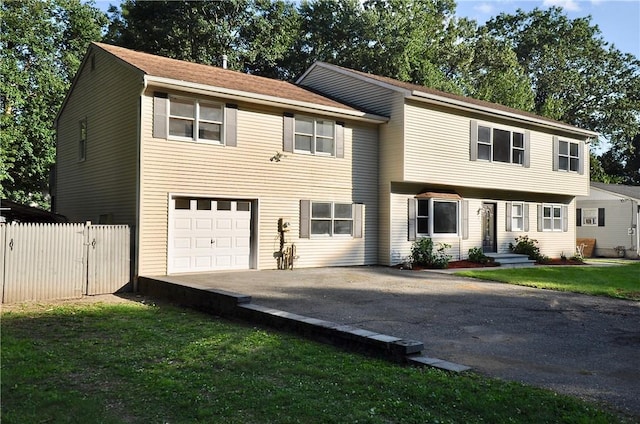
209	166
462	171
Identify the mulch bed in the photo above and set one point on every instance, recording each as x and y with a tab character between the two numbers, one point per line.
469	264
559	261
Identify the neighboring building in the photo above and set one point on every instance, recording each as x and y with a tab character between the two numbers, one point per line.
15	212
610	215
204	162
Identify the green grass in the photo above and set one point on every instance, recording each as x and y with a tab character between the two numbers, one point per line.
618	281
136	363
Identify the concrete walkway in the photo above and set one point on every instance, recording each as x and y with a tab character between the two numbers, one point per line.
574	344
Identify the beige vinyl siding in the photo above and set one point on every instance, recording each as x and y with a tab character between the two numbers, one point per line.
391	169
437	151
105	183
350	90
246	172
552	244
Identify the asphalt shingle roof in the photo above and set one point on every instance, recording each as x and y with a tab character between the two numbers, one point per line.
625	190
180	70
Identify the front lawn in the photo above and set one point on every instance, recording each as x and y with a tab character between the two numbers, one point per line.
618	281
138	363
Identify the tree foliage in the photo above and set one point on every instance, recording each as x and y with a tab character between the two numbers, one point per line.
576	76
42	43
539	61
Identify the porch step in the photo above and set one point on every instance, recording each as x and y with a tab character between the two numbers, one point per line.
511	259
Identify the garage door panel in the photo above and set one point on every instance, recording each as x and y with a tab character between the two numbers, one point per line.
242	242
182	242
204	224
211	235
182	223
203	243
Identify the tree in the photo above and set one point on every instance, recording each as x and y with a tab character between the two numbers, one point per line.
494	75
42	43
622	166
253	34
576	76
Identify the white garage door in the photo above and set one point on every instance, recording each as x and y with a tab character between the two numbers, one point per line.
209	235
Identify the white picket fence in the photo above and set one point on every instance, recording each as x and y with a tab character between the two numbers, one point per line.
61	261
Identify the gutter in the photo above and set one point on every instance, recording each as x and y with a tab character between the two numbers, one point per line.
262	99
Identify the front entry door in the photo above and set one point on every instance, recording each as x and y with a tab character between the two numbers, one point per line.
489	244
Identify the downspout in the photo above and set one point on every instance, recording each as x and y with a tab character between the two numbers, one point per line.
136	253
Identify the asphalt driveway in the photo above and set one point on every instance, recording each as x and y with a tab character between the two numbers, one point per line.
580	345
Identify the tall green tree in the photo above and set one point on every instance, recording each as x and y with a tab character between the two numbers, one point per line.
253	34
494	74
41	45
622	165
576	76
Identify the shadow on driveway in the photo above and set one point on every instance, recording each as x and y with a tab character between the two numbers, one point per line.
579	345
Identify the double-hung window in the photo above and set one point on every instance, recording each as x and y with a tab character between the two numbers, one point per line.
552	218
498	145
196	120
517	217
568	156
436	217
331	219
314	136
590	217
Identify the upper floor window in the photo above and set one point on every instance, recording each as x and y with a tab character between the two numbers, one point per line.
499	144
191	119
195	119
82	140
567	155
315	136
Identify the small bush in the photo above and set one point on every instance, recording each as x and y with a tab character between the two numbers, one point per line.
424	254
476	255
526	246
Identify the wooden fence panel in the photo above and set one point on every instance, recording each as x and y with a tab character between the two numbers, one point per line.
43	261
108	258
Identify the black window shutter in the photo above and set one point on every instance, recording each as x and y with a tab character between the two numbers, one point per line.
578	217
600	217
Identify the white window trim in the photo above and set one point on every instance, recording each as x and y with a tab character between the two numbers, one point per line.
431	217
313	136
553	220
196	121
332	220
514	217
594	217
512	148
569	156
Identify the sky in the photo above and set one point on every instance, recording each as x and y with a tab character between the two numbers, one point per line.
618	20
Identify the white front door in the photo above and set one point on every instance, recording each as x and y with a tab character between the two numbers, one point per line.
209	235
